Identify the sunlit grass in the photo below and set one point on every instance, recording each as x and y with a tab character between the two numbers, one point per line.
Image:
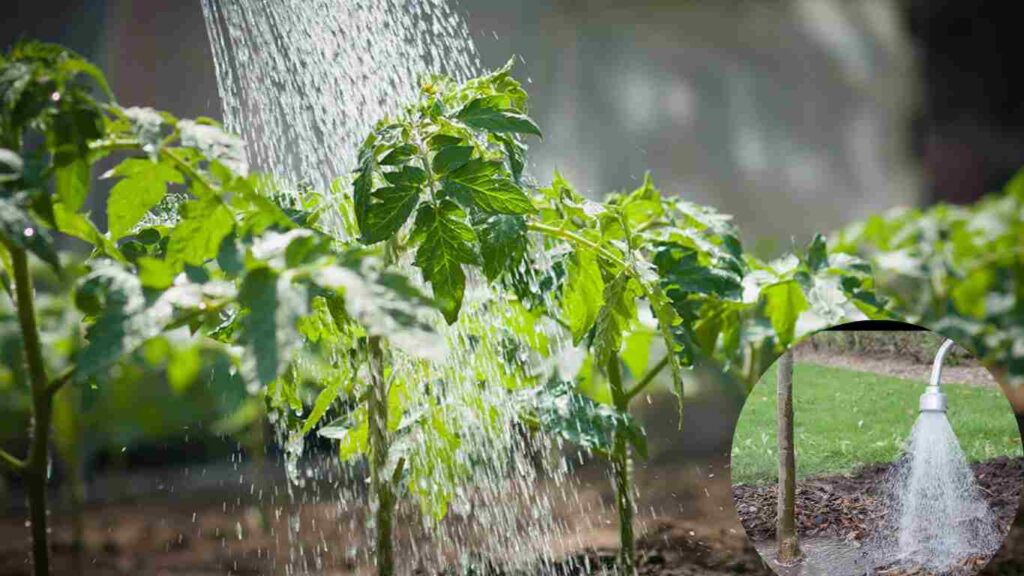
845	419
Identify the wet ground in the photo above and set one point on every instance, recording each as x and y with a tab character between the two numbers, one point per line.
836	514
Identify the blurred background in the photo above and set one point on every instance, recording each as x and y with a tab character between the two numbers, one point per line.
795	116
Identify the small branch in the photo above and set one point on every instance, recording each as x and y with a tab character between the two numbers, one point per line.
188	169
63	378
133	144
111	144
575	238
647	379
11	463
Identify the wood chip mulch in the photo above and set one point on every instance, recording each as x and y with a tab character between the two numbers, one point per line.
848	507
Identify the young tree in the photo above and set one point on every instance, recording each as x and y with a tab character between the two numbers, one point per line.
785	527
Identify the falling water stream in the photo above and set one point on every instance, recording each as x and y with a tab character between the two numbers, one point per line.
938	517
303	81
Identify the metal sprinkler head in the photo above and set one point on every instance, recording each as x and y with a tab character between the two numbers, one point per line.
933	400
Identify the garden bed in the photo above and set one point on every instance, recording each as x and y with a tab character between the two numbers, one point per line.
846	508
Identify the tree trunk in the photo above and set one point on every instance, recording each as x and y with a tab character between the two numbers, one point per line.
381	492
622	472
789	546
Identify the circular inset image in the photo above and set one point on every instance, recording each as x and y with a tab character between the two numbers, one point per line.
877	452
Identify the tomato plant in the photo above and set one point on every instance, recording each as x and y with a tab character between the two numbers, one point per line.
958	270
203	259
192	247
445	181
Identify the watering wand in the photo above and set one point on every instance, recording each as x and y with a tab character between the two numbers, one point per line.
933	400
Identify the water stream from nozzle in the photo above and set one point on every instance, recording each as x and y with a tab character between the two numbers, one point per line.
938	516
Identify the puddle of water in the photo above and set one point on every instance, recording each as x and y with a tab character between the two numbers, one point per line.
822	557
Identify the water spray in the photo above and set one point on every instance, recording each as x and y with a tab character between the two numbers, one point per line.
933	400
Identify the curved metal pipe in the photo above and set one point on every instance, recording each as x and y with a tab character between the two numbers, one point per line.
933	400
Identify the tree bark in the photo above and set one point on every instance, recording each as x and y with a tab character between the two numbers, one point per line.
788	542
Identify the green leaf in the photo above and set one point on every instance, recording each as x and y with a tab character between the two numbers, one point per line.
409	175
492	113
114	296
446	244
615	316
516	154
352	433
155	273
81	226
142	186
561	410
389	210
503	243
668	323
11	166
269	329
19	229
71	181
450	158
969	294
582	294
183	368
636	351
362	186
817	253
784	302
484	184
215	144
439	141
204	224
323	402
400	155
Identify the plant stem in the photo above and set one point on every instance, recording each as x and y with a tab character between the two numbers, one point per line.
380	484
648	378
621	471
38	456
575	238
11	463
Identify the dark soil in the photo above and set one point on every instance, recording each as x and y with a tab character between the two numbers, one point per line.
847	507
671	548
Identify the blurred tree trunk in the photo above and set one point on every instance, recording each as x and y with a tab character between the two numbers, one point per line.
789	546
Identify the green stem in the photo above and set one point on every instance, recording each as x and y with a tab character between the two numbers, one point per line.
11	463
621	472
575	238
647	379
60	380
187	168
42	406
134	144
380	483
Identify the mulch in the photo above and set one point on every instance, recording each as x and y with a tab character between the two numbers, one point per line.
847	507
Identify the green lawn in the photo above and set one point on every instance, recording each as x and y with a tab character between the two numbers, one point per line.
846	419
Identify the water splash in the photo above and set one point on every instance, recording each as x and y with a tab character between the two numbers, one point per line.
303	82
938	517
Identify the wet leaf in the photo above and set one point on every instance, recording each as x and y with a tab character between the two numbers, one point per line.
495	114
446	243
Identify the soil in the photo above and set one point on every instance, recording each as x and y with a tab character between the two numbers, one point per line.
846	508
